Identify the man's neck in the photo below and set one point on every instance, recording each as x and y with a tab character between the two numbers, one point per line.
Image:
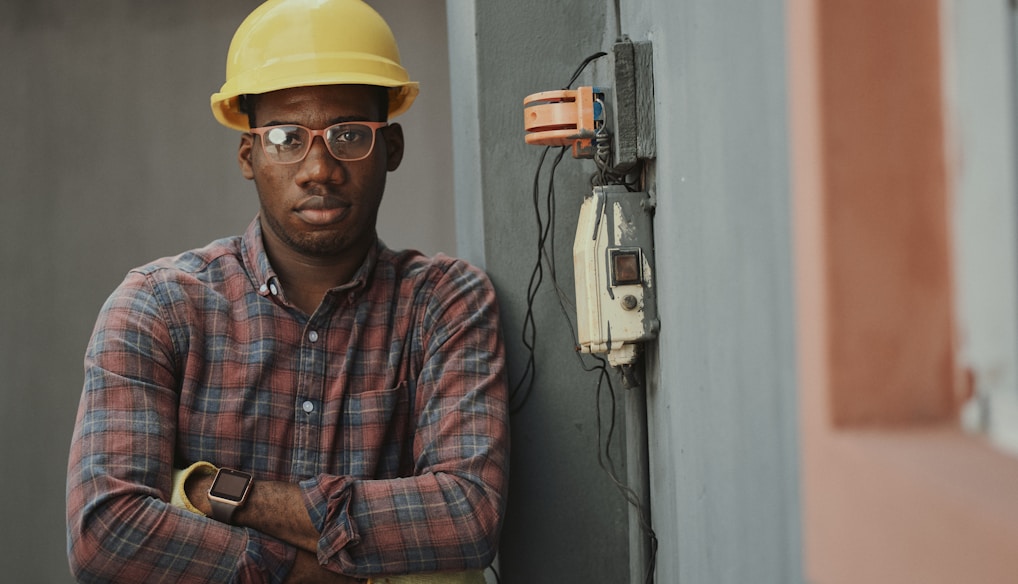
307	279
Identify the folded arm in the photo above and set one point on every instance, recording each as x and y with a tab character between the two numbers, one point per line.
120	524
445	516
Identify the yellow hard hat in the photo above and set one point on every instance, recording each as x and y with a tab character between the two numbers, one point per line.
298	43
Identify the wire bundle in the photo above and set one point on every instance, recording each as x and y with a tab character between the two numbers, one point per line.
522	390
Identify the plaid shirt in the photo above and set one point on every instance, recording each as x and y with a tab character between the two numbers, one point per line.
387	406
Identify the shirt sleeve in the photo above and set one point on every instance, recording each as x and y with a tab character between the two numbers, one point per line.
120	526
448	514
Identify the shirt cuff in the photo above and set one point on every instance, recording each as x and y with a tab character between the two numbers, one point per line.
269	560
327	500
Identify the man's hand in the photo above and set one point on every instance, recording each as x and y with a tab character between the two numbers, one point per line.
196	489
272	499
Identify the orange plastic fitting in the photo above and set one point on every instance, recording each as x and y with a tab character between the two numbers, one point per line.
562	118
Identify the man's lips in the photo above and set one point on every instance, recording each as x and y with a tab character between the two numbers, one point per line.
318	210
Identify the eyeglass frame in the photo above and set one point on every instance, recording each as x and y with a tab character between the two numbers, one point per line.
260	131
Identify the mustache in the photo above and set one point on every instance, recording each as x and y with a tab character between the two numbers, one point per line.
320	199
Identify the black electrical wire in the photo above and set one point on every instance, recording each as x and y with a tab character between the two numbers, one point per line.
604	456
529	333
583	66
524	387
607	463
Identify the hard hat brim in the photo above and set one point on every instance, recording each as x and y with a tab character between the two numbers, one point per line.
226	105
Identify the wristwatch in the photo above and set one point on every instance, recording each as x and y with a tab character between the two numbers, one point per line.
228	493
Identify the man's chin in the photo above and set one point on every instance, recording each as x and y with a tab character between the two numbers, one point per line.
323	246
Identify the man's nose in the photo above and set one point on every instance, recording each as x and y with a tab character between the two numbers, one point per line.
320	165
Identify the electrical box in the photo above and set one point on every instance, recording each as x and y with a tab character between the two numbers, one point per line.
613	259
613	253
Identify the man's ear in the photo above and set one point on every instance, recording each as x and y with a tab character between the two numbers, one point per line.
393	134
244	153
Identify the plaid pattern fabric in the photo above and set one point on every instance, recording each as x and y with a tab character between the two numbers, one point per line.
387	406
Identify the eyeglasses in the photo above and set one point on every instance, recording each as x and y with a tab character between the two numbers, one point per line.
346	141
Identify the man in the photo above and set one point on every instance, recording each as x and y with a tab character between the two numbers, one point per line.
300	403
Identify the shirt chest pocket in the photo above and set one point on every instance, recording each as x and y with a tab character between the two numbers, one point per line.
375	435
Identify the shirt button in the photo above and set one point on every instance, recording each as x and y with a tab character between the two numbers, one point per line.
313	336
264	288
275	291
308	406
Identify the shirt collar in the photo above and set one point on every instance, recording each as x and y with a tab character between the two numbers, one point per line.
265	280
362	277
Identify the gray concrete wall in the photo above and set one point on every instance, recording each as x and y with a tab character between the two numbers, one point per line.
566	521
723	415
109	158
722	396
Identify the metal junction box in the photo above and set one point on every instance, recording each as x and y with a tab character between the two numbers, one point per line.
613	256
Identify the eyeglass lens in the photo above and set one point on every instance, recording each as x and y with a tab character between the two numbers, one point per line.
346	141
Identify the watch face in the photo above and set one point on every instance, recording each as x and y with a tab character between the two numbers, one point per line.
230	484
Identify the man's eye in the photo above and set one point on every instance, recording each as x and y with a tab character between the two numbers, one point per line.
349	136
284	140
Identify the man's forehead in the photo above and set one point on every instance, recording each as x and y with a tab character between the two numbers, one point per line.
355	98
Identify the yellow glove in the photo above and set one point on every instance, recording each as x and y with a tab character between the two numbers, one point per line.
179	497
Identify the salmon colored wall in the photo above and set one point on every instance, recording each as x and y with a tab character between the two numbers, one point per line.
884	223
893	490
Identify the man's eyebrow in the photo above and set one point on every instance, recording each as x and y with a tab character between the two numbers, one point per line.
332	122
342	119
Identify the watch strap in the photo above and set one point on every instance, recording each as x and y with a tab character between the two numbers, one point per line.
223	511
